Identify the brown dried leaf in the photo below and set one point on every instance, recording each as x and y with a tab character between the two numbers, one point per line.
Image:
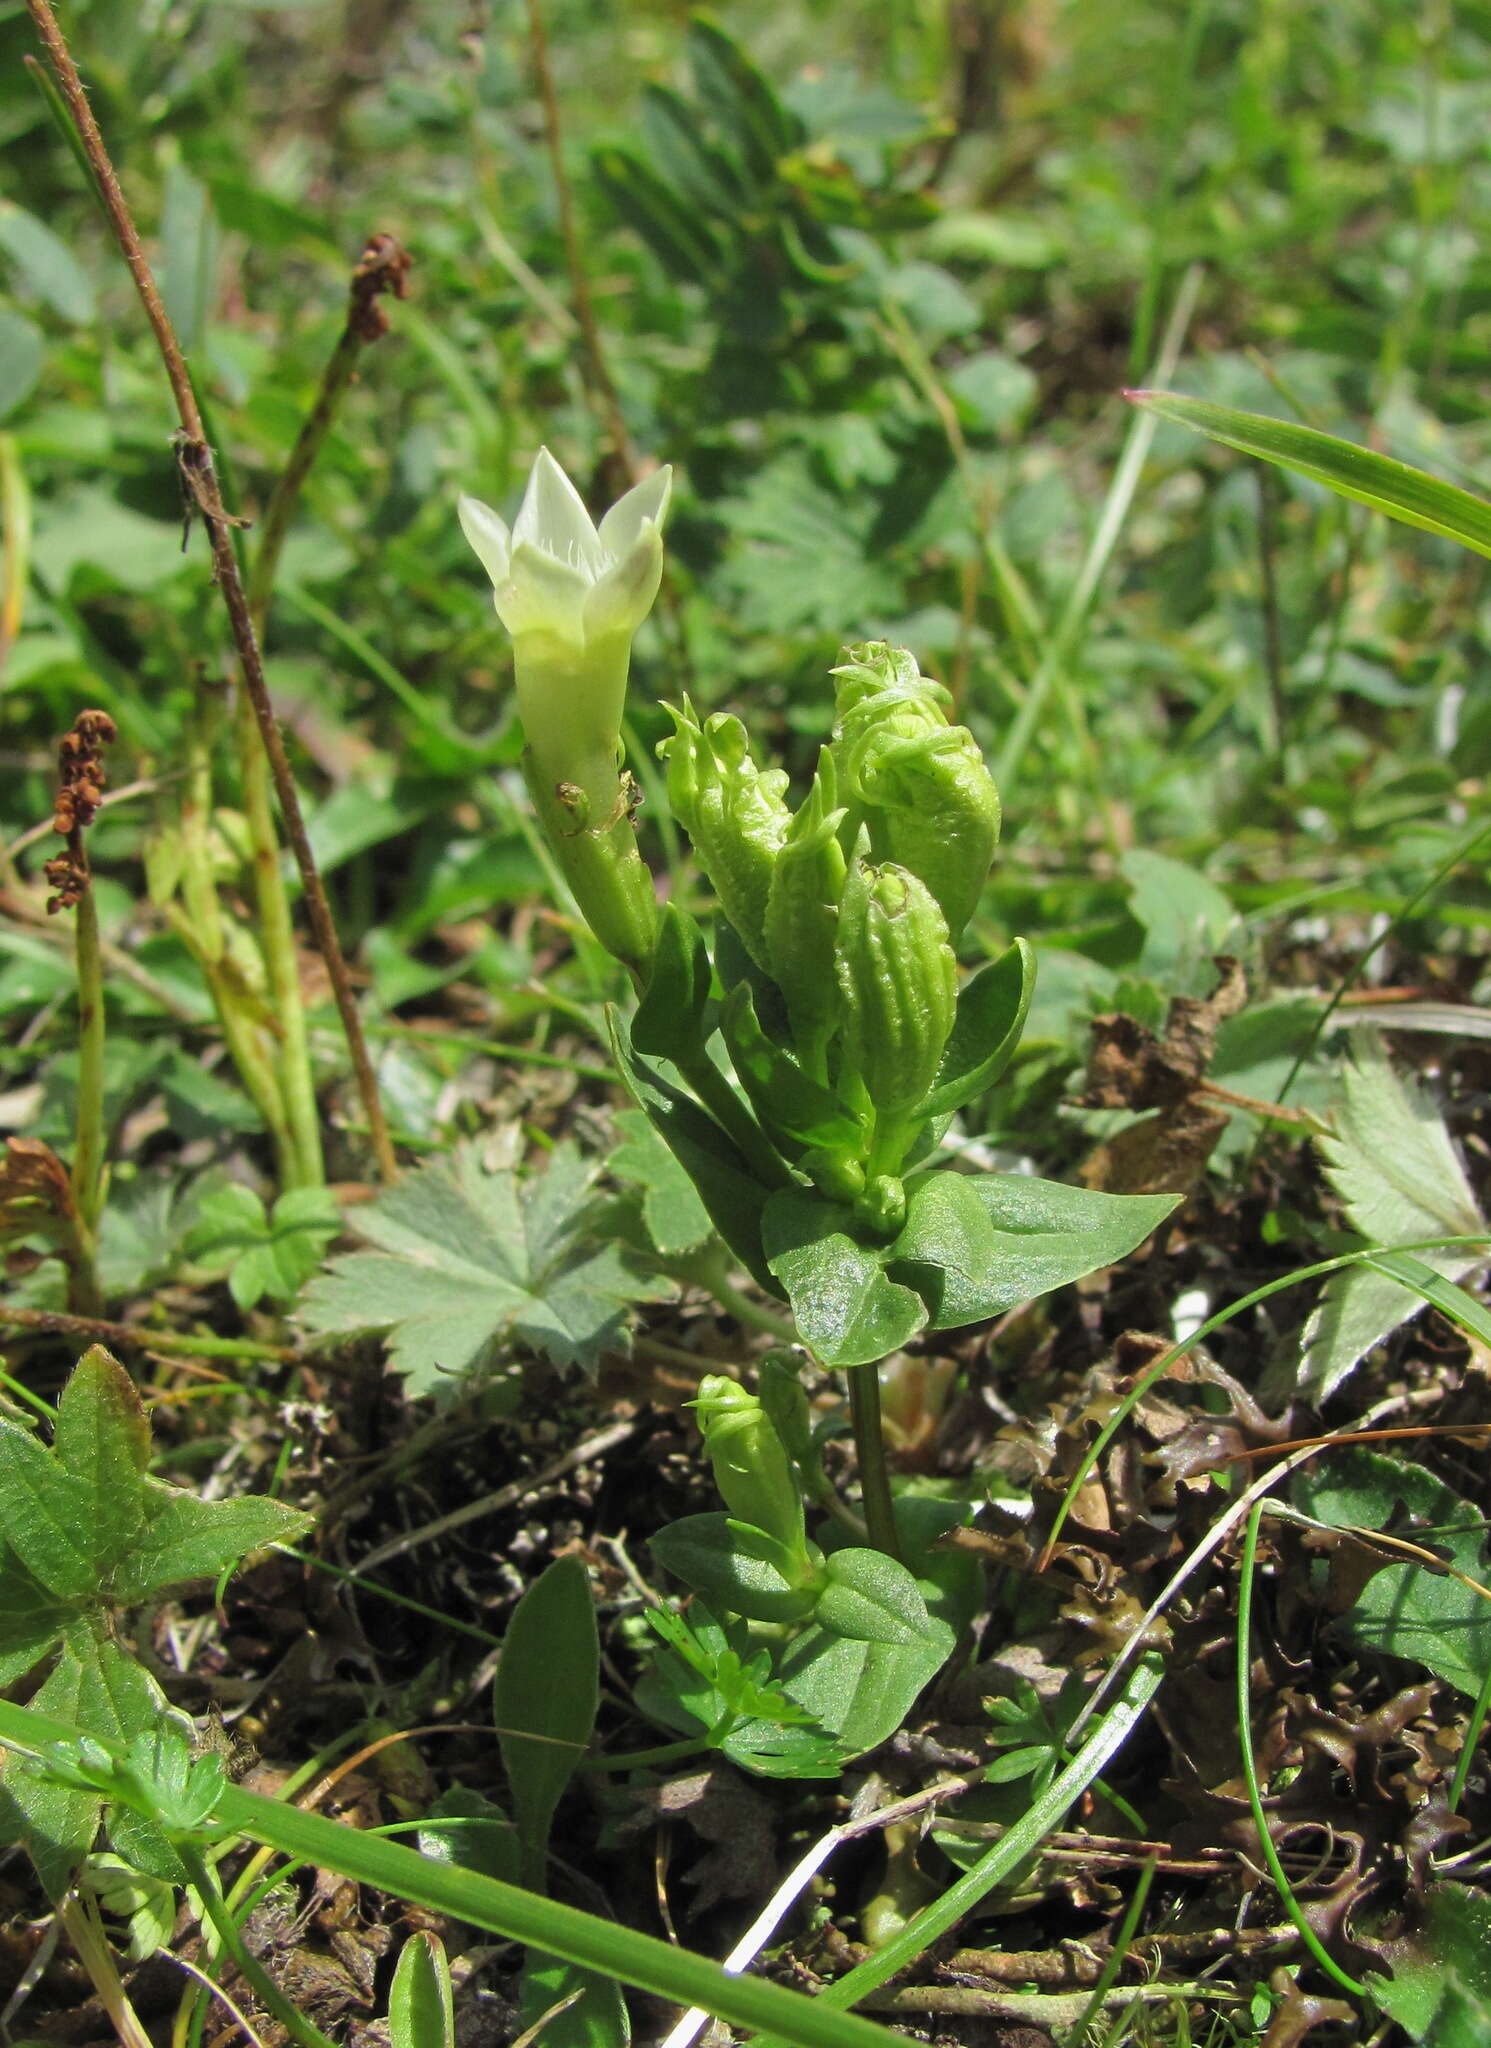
35	1193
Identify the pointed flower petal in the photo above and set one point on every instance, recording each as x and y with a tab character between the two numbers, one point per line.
543	595
619	600
488	535
622	526
553	517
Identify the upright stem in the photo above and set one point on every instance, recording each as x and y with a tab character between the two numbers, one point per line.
276	936
869	1449
199	481
84	1295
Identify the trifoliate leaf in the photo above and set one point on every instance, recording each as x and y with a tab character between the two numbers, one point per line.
1395	1168
263	1253
466	1260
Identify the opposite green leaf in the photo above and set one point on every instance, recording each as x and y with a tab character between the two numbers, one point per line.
669	1020
986	1030
726	1185
1395	488
873	1599
845	1306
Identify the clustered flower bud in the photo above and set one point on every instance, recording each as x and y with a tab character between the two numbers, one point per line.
852	906
732	811
849	909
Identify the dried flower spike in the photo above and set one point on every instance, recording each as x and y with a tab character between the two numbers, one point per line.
81	781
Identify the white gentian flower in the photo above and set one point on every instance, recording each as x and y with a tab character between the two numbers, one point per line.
572	595
556	572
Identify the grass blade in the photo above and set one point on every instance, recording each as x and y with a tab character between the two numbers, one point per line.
582	1938
1380	481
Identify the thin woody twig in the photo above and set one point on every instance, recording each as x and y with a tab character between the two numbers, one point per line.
199	477
169	1343
382	267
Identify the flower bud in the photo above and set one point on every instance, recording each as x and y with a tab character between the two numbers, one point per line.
928	799
898	983
751	1468
733	813
802	918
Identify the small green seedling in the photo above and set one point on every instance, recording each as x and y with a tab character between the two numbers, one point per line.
823	1644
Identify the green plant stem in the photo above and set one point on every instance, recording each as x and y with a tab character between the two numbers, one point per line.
1223	1316
1108	1976
646	1759
84	1296
1473	1730
714	1273
199	481
869	1450
96	1330
79	1916
199	923
1282	1885
1061	643
253	1973
302	1118
275	524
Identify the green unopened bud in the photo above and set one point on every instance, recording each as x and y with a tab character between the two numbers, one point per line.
881	1208
899	985
751	1467
802	918
927	798
732	811
785	1400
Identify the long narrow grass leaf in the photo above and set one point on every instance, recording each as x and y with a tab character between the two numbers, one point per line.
1012	1848
1382	482
582	1938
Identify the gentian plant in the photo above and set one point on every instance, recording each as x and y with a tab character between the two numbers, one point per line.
805	1062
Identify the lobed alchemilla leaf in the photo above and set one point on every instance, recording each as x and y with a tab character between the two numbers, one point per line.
465	1260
